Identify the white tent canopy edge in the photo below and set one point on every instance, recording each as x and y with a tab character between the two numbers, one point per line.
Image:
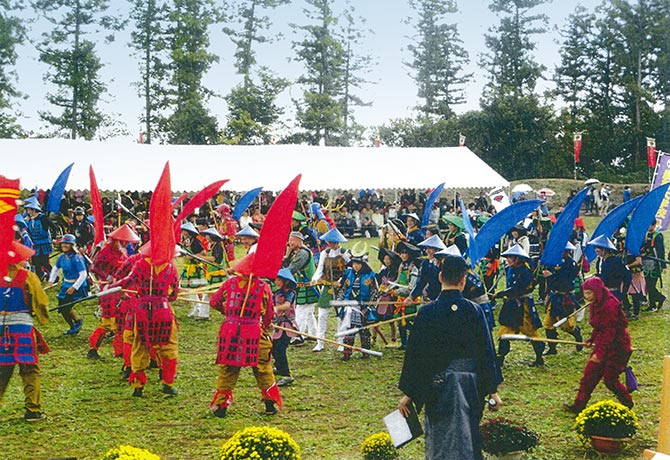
131	166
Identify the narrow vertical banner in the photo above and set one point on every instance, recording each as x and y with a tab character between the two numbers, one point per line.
9	193
651	152
577	144
96	209
662	176
461	140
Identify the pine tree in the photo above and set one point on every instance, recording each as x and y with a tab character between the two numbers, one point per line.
74	63
12	34
512	69
188	37
320	113
148	40
252	104
519	129
438	58
356	65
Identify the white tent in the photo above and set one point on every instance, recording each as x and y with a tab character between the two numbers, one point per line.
130	166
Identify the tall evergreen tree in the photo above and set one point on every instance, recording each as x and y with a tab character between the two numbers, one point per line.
519	129
438	58
356	65
252	104
12	34
320	113
148	39
74	63
511	66
573	74
188	36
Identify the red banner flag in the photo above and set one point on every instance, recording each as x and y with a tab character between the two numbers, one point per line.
198	200
577	139
9	193
275	231
161	231
651	152
96	208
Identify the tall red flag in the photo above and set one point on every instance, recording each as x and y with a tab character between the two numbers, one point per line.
96	208
198	200
651	152
577	140
274	234
9	193
161	231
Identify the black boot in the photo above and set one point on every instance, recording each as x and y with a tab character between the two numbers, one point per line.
577	334
551	334
538	347
137	392
270	408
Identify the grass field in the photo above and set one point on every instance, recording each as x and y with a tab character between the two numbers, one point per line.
332	407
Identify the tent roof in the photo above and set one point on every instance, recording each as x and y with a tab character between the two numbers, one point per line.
131	166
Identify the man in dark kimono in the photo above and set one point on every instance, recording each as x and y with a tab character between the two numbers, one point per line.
451	373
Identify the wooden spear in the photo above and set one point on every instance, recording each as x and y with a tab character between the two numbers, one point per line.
333	342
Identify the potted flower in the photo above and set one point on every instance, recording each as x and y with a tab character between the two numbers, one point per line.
606	425
506	439
379	447
261	443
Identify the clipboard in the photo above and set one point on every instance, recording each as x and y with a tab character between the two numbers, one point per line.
403	430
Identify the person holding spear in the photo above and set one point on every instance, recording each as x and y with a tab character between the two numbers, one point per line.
20	342
561	301
611	346
74	286
518	313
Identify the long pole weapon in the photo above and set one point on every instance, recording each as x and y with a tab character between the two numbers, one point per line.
90	297
373	325
333	342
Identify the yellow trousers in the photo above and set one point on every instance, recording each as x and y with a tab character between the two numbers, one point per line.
30	374
228	375
140	355
526	327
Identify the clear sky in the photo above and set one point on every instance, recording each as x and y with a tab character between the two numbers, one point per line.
393	95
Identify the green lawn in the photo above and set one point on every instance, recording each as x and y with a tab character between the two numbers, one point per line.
330	410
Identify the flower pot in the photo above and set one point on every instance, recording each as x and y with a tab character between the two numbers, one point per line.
517	455
607	446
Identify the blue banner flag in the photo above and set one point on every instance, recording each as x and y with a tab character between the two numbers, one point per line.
643	217
610	223
432	198
244	202
561	231
498	225
57	190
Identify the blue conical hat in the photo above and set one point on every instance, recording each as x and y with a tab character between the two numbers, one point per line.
189	227
247	231
286	274
433	242
450	251
212	232
602	242
32	203
333	236
516	251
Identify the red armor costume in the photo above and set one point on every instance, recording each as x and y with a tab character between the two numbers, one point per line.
154	324
227	228
246	302
105	267
22	299
126	312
